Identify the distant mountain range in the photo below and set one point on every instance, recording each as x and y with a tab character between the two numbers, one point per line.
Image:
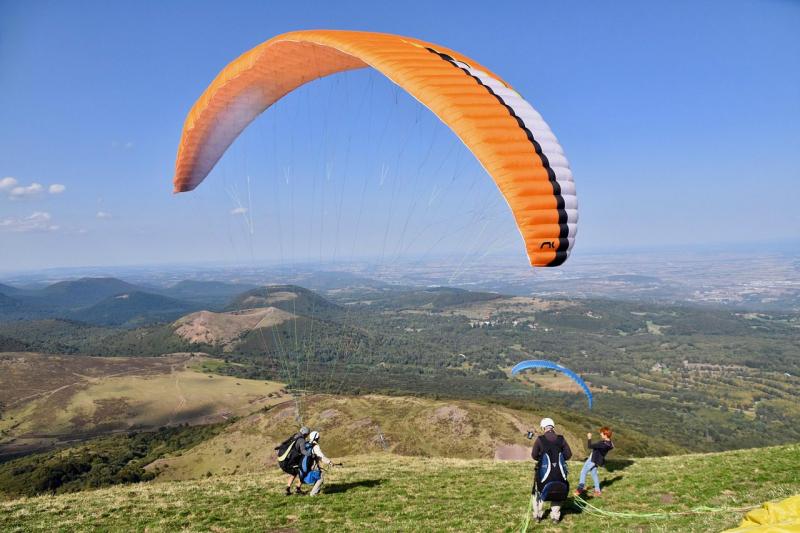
111	301
8	290
209	293
114	302
82	292
134	309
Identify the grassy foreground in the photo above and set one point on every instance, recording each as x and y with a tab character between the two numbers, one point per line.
393	493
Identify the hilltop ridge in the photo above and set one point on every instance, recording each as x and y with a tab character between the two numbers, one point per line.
290	298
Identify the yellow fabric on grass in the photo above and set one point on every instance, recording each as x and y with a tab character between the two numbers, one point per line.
772	517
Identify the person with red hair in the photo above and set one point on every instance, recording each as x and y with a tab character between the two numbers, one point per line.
597	458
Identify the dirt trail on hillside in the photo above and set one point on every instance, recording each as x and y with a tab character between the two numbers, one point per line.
181	398
512	452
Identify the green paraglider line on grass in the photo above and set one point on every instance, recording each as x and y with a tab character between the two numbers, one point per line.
526	520
585	506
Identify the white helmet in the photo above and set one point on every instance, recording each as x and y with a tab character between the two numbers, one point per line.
313	436
547	422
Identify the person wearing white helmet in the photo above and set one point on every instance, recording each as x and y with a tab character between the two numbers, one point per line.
310	471
551	452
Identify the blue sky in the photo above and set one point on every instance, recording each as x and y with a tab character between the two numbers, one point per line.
681	120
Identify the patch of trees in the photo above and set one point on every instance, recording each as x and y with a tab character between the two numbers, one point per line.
99	462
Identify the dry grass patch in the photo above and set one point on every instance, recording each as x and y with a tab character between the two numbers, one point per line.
133	393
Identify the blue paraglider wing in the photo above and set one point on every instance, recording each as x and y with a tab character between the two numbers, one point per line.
539	363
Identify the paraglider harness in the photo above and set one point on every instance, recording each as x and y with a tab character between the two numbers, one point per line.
309	470
550	480
288	454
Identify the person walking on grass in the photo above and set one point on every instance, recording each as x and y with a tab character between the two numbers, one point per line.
551	453
597	458
310	471
290	452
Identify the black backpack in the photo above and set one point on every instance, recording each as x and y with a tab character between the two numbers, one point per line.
551	482
287	452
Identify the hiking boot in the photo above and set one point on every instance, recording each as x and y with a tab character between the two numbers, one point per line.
288	491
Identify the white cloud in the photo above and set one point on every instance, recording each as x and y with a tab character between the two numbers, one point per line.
103	214
8	183
37	221
15	191
239	211
125	145
33	189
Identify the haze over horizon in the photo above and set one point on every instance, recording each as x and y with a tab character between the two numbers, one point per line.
579	261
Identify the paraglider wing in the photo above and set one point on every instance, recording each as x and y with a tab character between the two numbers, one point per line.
538	363
508	137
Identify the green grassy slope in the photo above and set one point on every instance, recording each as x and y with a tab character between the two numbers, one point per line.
391	493
407	426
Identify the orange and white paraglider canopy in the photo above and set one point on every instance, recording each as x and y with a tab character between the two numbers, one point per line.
509	138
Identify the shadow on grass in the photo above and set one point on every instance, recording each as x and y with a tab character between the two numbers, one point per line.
336	488
570	507
610	481
612	465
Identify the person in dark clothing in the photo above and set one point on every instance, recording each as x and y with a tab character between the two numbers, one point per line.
551	436
554	449
597	457
297	452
